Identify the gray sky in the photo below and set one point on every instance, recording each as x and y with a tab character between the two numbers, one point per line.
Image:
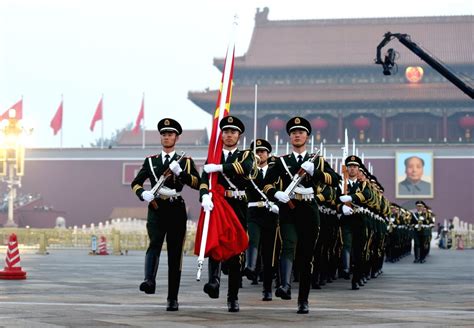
122	49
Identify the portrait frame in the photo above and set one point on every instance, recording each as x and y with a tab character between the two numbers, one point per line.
404	187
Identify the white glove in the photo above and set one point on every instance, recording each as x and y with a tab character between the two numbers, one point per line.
274	209
148	196
209	168
165	191
345	198
347	210
282	197
207	203
308	167
175	168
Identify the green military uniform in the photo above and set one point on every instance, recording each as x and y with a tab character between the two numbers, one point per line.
262	225
420	223
169	219
236	170
299	226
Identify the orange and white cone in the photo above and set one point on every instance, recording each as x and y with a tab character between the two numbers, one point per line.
12	269
102	246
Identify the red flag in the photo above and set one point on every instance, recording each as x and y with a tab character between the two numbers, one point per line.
97	115
57	121
140	117
226	237
19	111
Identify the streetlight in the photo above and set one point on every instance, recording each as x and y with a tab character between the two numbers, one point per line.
12	160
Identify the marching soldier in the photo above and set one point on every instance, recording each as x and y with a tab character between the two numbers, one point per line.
299	217
262	220
419	225
166	209
234	171
352	222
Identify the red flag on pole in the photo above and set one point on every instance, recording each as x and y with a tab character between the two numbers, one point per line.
140	117
57	121
225	235
18	111
97	115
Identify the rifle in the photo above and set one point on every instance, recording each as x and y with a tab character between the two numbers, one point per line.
161	181
297	178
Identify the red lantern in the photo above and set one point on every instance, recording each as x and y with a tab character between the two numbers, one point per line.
361	123
276	124
414	74
319	124
467	123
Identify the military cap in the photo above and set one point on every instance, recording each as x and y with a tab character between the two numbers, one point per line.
232	122
394	205
298	123
420	202
169	125
353	160
262	144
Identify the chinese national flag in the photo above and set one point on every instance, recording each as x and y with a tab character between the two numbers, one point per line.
57	121
140	117
19	111
226	237
97	115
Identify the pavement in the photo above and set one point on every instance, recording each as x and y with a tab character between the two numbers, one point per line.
69	288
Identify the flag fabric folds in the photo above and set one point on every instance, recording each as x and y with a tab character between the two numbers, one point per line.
97	115
18	106
226	237
140	117
57	121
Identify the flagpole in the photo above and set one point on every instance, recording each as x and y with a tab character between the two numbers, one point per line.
222	108
62	119
255	121
143	128
102	125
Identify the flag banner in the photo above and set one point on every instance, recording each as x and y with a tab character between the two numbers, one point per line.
97	115
225	236
140	117
57	121
18	111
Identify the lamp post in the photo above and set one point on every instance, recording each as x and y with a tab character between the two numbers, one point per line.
12	160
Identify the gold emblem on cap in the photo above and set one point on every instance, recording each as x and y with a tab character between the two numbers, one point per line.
353	158
230	120
259	142
297	120
167	122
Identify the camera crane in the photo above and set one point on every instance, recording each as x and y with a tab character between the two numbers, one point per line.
389	61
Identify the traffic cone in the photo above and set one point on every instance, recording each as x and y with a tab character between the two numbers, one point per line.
12	269
102	246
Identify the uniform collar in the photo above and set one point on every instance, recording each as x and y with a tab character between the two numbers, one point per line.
163	154
226	152
303	154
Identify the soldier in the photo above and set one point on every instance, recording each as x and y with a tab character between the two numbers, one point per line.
234	171
419	235
262	220
166	209
299	217
352	222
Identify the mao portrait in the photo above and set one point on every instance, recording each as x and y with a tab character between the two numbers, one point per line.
414	174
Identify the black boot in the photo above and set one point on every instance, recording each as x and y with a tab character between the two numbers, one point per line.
249	271
212	287
172	305
233	305
284	291
151	267
174	278
417	255
303	307
266	295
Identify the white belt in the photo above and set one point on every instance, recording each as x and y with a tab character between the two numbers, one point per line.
305	197
169	197
303	191
234	193
257	204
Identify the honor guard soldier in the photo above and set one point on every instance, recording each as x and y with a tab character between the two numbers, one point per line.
299	217
234	171
420	226
262	220
166	209
352	222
